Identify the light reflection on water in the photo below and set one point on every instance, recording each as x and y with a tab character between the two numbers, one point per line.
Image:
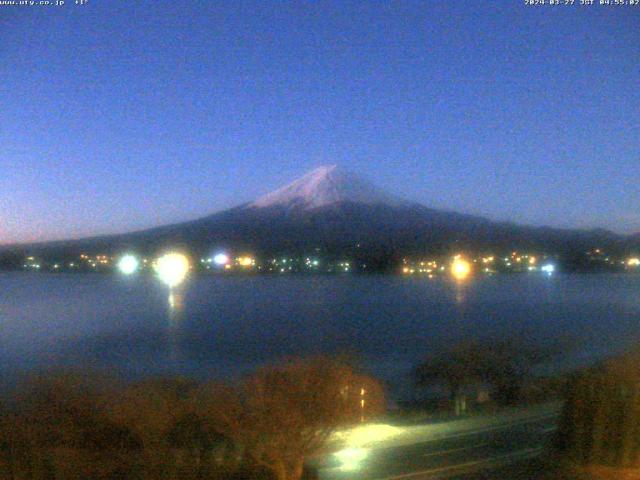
175	316
226	325
460	291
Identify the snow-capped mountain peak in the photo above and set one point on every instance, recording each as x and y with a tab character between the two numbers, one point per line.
326	185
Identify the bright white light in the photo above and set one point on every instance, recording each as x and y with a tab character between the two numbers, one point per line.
358	442
128	264
351	458
221	259
370	433
460	268
548	268
172	268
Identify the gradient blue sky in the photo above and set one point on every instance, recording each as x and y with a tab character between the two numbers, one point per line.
120	115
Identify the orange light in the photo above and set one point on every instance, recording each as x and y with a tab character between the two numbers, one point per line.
246	261
460	268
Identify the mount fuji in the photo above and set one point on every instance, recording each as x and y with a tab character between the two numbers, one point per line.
326	185
338	213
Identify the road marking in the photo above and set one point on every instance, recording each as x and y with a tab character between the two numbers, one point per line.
527	452
444	452
464	433
492	428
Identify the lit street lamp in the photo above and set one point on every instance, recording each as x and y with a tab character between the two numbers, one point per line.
172	268
221	259
460	268
128	264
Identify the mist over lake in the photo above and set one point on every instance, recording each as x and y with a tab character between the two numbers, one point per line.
217	326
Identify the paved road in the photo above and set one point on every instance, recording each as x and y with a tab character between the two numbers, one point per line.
468	454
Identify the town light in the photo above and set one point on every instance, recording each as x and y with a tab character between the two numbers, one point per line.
172	268
246	261
633	262
460	268
548	268
221	259
128	264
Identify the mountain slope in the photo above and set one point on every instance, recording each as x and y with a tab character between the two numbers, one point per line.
326	185
337	213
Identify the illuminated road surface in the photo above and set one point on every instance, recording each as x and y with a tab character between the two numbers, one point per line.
463	454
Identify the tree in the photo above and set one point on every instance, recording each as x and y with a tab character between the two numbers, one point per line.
283	414
504	365
507	364
151	409
454	369
59	428
601	416
263	427
205	449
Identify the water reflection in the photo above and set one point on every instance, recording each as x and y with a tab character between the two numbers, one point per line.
175	314
387	321
460	293
462	318
461	272
176	303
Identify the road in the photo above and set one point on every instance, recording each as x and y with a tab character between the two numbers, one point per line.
508	445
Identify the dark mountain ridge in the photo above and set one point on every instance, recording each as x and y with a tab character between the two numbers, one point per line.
336	213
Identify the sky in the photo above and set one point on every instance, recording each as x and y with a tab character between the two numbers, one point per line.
119	115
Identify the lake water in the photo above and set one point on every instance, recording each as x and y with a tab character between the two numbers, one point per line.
223	326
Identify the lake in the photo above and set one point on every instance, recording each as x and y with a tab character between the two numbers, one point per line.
219	326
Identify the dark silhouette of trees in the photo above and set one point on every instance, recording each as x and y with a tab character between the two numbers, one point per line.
283	414
60	429
503	365
600	423
70	426
196	436
454	369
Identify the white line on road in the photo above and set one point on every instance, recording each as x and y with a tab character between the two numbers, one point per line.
527	452
492	428
452	450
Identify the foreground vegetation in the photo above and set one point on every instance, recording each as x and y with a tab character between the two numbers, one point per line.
492	374
600	425
267	425
72	426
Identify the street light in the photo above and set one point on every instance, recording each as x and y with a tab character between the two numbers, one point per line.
221	259
548	268
172	268
128	264
460	268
